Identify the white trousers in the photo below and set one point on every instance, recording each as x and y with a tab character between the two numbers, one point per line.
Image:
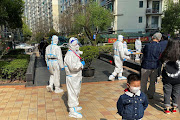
118	66
73	88
54	70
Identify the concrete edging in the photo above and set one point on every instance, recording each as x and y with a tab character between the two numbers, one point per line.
30	73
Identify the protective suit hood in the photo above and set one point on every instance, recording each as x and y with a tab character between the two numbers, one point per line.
54	39
120	38
73	44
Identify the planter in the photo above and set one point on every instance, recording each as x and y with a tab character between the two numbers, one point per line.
88	72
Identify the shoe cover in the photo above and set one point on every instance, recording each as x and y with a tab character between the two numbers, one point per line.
111	77
78	108
73	113
58	90
49	88
122	78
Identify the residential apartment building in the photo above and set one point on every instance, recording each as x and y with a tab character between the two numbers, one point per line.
42	14
135	15
65	4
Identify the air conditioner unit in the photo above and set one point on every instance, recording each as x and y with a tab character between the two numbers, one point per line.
148	10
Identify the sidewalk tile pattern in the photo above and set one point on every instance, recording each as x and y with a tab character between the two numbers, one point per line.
98	101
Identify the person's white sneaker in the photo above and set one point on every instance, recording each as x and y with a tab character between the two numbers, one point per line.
49	88
58	90
73	113
111	77
122	78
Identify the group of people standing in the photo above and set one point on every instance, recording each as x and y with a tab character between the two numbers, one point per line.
134	98
166	56
157	55
73	66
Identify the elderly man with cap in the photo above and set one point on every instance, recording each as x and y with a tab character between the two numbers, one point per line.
54	62
73	67
150	63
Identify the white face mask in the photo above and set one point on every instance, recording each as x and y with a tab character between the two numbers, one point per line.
77	47
134	89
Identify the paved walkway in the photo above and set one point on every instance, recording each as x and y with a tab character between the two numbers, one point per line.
102	72
97	99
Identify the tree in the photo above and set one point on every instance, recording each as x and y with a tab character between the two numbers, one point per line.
11	12
51	33
171	19
66	20
39	36
92	20
26	32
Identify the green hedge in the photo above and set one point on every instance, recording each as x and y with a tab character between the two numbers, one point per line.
3	63
16	52
20	56
131	46
14	70
106	49
109	48
89	54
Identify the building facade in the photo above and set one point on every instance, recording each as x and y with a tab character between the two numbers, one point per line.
129	15
42	14
135	15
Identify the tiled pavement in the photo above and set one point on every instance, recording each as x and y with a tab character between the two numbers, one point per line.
97	99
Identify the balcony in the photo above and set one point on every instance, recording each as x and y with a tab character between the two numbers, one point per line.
150	11
152	27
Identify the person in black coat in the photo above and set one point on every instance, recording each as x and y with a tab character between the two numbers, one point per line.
171	75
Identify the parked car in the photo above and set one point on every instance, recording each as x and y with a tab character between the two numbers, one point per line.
27	47
65	45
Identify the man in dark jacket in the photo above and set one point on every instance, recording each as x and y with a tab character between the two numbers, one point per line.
150	63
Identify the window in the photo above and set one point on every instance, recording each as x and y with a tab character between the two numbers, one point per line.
140	4
154	21
140	19
155	6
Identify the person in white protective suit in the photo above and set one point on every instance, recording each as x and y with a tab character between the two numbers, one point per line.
119	57
138	46
54	63
126	50
73	67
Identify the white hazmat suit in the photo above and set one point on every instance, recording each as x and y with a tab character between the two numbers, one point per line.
119	57
138	46
73	68
54	62
126	50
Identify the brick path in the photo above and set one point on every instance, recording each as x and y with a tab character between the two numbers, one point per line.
97	99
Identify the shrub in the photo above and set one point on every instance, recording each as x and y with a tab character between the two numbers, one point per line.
20	56
131	46
106	49
2	63
16	52
89	54
16	69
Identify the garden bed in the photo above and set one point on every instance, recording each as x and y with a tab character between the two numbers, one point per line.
13	67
